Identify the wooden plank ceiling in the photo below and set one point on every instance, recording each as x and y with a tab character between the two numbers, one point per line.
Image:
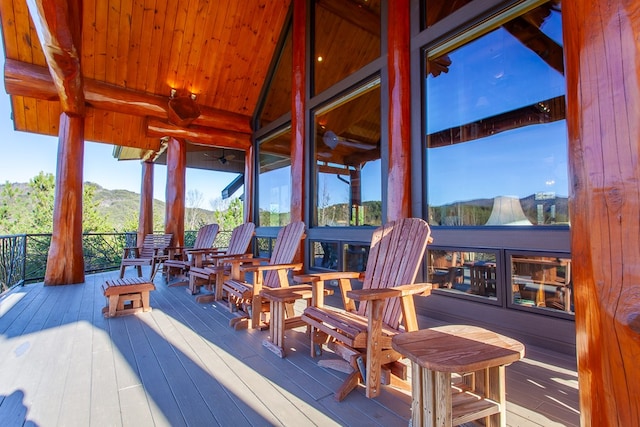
132	53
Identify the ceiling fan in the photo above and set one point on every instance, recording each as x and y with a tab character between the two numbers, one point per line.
223	158
332	140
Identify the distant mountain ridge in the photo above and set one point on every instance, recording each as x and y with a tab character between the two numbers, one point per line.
120	207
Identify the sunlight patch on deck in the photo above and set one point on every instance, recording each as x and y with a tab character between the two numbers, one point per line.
8	301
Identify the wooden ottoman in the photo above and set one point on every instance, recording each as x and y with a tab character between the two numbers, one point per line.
127	296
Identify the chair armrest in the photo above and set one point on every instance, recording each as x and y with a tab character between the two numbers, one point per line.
334	275
270	267
396	291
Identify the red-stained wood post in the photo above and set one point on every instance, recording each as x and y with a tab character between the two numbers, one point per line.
298	113
175	195
603	105
145	219
249	179
399	119
65	261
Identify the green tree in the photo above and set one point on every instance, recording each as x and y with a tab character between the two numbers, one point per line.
92	221
230	216
41	192
13	210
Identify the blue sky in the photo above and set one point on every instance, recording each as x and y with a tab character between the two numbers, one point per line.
24	155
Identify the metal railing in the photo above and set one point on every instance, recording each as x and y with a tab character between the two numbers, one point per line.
23	257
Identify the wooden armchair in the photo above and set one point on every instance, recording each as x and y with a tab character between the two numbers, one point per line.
362	335
217	265
152	252
182	258
244	297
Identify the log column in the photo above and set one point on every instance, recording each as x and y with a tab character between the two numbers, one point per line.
298	114
249	180
65	261
603	110
145	220
175	196
399	119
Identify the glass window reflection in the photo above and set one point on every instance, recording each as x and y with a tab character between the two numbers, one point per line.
347	37
464	273
274	180
348	165
495	125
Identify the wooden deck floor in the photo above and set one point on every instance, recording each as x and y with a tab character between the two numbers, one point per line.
63	364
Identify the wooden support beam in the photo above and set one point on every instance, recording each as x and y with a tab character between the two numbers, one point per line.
298	109
199	135
145	218
33	81
65	262
399	178
249	180
603	100
58	24
176	193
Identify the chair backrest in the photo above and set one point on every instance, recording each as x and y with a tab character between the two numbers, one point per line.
154	241
240	239
395	256
206	236
284	250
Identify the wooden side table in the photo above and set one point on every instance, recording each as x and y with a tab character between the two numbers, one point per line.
436	353
282	316
127	296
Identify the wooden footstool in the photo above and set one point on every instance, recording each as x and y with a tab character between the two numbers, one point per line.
127	296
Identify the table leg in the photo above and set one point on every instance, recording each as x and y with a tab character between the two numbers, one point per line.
275	342
432	401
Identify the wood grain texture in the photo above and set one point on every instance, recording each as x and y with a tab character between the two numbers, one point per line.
145	218
65	262
399	177
176	192
58	25
603	100
298	111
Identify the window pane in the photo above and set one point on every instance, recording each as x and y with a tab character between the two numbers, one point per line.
496	129
541	282
464	273
274	181
325	254
347	37
278	100
436	10
348	166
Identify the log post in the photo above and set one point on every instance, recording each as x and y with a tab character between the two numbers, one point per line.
145	218
298	114
249	179
398	64
65	261
298	105
603	105
175	195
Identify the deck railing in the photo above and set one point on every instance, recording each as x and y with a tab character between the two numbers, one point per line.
23	257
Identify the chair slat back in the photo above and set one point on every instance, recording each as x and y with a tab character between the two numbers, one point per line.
152	242
395	256
287	243
206	236
241	238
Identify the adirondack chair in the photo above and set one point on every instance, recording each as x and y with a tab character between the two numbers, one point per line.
182	258
212	270
152	252
363	334
244	297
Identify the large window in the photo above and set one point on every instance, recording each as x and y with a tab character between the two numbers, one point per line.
347	153
346	38
274	180
495	125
